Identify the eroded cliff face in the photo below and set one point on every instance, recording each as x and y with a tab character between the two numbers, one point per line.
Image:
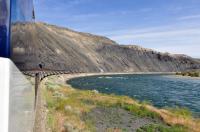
55	48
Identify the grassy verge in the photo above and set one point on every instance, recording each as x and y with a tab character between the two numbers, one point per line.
66	106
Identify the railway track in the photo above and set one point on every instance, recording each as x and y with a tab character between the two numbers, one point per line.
42	74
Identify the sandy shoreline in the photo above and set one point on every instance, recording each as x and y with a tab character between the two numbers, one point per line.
71	76
173	74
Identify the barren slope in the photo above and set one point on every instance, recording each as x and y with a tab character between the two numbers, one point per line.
63	49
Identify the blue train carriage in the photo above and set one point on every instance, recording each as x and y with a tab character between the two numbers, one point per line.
17	96
4	28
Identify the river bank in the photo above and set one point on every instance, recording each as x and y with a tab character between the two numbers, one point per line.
191	73
77	75
84	110
186	77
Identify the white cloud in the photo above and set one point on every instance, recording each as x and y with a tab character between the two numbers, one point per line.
192	50
173	39
72	3
158	34
189	17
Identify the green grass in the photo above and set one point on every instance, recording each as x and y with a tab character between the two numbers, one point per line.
182	112
161	128
141	111
51	86
50	120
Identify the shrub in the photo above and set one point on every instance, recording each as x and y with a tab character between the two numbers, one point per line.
161	128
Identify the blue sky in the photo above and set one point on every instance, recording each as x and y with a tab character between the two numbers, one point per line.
164	25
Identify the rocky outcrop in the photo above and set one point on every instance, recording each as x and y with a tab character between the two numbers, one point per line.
39	45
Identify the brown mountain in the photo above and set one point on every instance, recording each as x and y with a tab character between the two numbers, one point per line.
54	48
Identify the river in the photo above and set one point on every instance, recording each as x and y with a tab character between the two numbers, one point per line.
160	90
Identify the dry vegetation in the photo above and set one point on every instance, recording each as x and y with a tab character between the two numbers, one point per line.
194	73
66	107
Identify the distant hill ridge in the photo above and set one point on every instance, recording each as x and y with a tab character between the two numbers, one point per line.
57	48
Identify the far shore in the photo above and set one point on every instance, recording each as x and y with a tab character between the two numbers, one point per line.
186	77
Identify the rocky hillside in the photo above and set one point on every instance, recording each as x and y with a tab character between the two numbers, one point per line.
39	45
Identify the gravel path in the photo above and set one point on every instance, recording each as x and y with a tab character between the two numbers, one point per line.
106	118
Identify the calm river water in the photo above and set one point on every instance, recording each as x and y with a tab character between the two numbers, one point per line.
160	90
